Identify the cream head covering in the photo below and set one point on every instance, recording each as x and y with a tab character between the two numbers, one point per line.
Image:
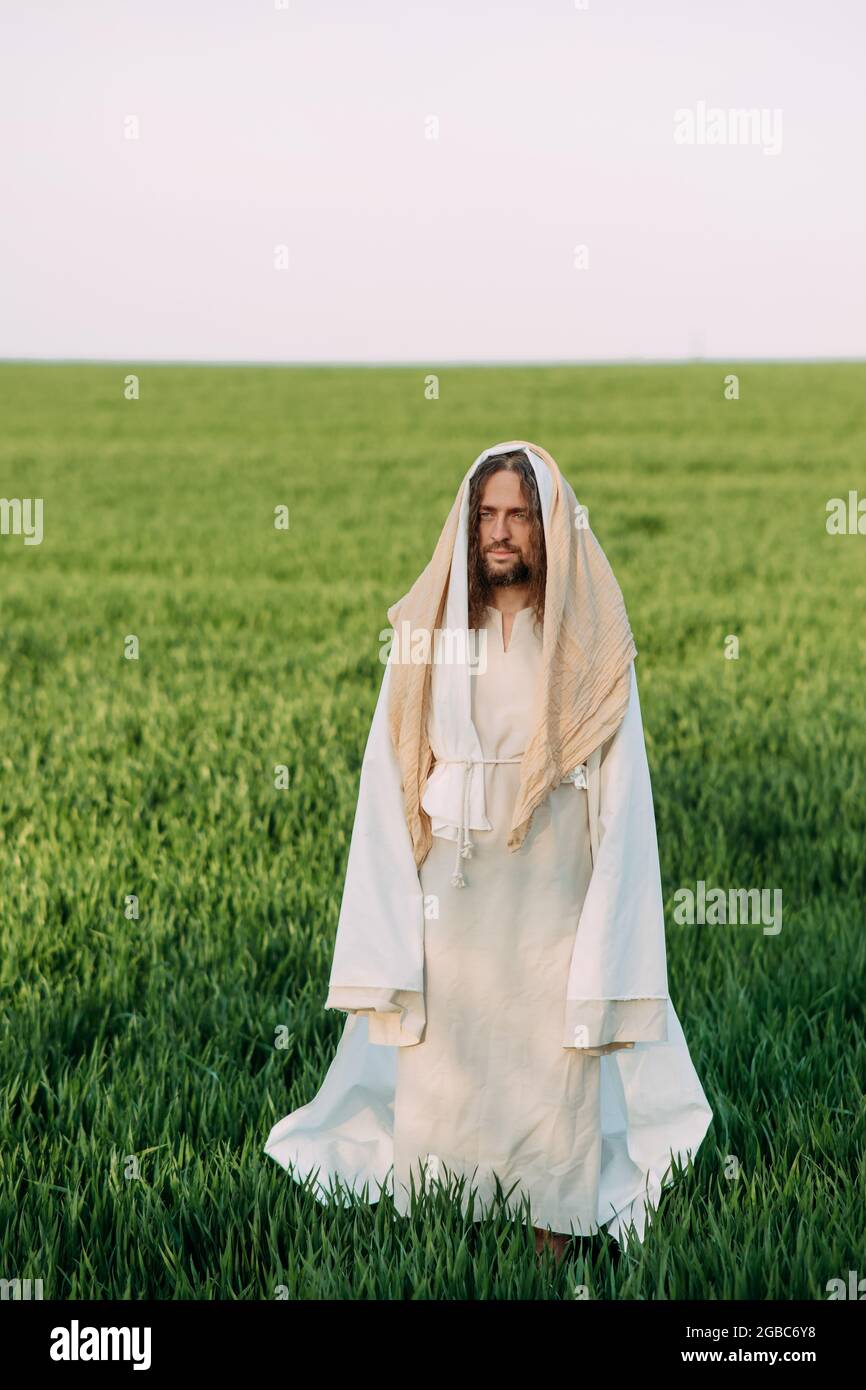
587	650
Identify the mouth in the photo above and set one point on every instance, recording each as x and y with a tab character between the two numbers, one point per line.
501	554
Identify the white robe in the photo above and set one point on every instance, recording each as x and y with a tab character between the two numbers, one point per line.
490	1095
651	1103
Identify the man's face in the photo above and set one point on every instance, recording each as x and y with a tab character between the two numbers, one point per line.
504	529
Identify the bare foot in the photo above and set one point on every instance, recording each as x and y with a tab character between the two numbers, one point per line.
553	1239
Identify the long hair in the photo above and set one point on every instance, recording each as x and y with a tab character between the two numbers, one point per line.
480	589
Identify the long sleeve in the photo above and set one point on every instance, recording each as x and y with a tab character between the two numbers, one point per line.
378	963
617	985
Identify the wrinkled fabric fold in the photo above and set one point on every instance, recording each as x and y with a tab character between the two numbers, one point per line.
380	931
617	984
593	1022
396	1016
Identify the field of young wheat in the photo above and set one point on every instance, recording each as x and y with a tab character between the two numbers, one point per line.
165	906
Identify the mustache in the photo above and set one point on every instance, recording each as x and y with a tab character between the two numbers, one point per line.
510	548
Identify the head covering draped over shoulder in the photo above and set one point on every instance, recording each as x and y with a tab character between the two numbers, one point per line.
587	650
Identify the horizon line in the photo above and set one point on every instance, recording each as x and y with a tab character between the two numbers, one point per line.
441	362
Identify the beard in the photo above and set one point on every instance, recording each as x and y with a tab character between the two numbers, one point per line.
517	573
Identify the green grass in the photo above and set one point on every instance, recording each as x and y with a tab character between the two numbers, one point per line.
155	1038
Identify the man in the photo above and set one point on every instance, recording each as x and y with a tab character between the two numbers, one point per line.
500	949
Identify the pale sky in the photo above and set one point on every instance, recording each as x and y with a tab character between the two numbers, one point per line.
305	127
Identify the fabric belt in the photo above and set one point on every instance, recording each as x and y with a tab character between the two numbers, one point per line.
464	844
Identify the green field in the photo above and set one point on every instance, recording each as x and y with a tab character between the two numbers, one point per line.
153	1039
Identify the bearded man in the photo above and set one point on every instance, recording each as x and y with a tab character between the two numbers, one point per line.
500	951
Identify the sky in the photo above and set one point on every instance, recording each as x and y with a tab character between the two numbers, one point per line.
293	181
